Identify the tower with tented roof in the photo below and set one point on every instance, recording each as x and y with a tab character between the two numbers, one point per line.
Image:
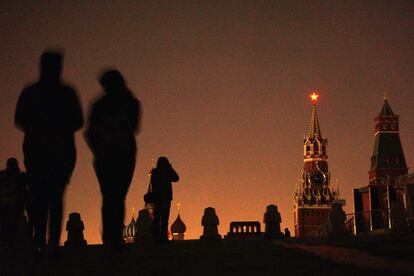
375	202
314	194
388	160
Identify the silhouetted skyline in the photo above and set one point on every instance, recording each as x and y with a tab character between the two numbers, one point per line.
224	92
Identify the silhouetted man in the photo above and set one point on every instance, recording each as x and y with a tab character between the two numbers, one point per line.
49	113
161	178
113	124
12	200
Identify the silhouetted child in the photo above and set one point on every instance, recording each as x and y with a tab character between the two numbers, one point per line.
113	125
161	178
12	201
49	113
143	226
287	233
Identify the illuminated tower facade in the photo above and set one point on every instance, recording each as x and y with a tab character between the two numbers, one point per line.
374	202
387	161
314	194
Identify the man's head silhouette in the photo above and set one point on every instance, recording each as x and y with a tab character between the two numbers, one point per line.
51	65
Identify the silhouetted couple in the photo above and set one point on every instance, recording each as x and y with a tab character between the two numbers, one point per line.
161	178
49	113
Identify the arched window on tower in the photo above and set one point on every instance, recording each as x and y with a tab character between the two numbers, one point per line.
315	148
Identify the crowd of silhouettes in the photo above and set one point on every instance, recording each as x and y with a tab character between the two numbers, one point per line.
49	113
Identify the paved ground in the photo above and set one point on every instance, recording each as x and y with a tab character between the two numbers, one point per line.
194	258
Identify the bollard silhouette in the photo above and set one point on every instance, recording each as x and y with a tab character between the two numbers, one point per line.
210	221
75	228
272	222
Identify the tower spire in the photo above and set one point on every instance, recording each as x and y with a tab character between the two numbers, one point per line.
314	197
314	129
386	108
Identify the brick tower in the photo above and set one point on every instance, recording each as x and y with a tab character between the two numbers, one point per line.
373	203
315	193
387	161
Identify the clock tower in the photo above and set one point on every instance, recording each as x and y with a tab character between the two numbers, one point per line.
314	194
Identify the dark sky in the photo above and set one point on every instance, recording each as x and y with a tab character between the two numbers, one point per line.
224	88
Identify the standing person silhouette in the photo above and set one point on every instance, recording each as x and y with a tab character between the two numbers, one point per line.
161	178
113	124
49	113
13	187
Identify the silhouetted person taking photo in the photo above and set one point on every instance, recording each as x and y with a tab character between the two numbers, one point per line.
113	125
161	178
49	113
13	186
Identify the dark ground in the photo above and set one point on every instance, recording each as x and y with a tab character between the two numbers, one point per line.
200	258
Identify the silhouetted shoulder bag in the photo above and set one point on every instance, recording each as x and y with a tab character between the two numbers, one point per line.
149	197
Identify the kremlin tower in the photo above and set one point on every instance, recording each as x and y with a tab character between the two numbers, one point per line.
387	189
387	161
315	194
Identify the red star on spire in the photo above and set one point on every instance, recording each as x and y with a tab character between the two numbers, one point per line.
314	97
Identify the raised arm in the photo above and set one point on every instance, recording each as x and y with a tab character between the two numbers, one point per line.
174	176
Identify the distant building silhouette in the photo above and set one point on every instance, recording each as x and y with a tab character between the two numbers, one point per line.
130	231
390	185
244	230
178	228
314	194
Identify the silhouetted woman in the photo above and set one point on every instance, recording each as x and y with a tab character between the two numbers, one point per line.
161	178
113	124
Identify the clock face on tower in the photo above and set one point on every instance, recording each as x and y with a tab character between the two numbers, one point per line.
317	178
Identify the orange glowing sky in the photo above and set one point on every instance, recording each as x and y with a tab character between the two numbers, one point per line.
224	88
